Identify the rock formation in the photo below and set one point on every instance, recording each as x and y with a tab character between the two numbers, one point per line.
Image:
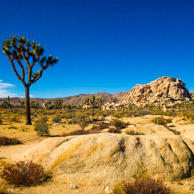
106	159
165	90
192	95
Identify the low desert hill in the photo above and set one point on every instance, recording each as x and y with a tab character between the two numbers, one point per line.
163	90
76	99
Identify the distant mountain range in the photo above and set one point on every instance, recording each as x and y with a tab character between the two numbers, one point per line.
163	90
76	100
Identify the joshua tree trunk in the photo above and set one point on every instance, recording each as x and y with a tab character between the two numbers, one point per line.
92	110
27	99
18	49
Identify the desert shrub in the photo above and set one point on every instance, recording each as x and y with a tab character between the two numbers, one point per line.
94	131
24	173
13	119
78	132
43	119
174	131
83	122
41	128
35	114
9	141
132	132
118	189
3	187
1	121
192	117
83	125
161	121
149	186
124	125
56	119
82	119
113	130
101	126
116	123
81	132
12	127
144	112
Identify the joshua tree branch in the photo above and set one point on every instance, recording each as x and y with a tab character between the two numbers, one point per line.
14	68
41	72
22	68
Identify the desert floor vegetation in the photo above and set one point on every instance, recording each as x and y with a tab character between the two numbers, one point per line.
76	121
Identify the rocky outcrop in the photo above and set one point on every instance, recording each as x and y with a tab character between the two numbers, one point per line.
106	159
165	90
192	95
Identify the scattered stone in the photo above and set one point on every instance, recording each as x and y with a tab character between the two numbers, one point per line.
189	185
73	186
108	190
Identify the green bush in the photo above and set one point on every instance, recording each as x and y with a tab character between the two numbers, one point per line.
144	112
43	119
9	141
13	119
116	123
83	122
3	187
132	132
100	126
81	132
149	186
113	130
161	121
24	173
12	127
56	119
42	129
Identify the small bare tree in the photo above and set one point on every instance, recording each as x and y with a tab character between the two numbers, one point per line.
20	49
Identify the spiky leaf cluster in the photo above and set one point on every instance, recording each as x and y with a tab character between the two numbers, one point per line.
20	48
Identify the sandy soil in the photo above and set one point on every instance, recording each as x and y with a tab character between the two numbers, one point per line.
29	138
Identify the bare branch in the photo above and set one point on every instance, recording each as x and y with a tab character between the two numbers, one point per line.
30	69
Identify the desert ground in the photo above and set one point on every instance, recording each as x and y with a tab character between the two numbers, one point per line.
139	126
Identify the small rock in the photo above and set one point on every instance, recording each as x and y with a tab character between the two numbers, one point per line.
108	190
73	186
189	185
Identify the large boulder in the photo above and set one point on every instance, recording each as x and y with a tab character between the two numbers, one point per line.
149	129
192	95
106	159
164	90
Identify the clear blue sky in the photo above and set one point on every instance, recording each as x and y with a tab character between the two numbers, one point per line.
102	45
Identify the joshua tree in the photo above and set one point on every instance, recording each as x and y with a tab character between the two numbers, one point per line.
20	49
35	105
48	104
100	102
91	101
58	103
8	102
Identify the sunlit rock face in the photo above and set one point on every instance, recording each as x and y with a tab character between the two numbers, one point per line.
106	159
163	90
